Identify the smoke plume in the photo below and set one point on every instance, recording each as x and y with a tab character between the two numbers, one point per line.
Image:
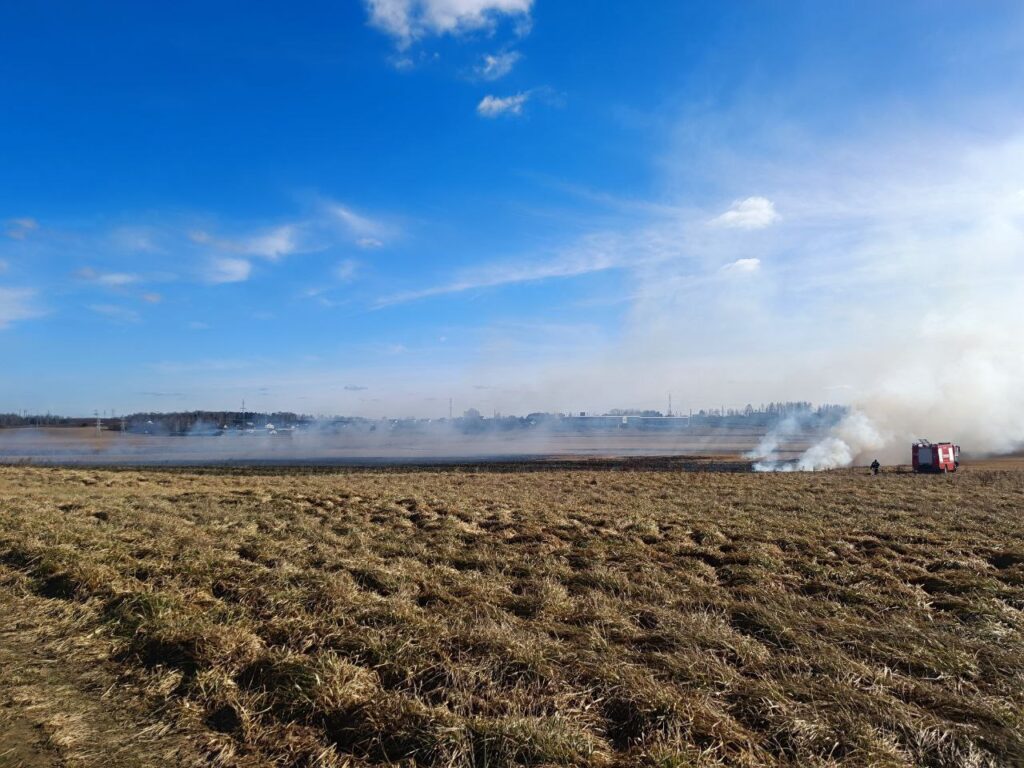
956	376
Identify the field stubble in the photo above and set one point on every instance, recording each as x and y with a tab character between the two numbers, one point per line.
566	617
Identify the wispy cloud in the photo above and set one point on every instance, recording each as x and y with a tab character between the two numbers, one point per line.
137	239
278	242
570	264
115	312
407	20
319	295
227	270
742	266
346	270
109	279
271	244
496	65
191	249
496	106
18	304
368	232
19	229
750	213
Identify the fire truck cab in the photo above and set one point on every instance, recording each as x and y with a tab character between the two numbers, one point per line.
927	456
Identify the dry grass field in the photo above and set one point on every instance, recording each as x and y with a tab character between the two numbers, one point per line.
575	616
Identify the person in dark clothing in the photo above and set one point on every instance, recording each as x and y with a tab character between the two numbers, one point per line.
875	466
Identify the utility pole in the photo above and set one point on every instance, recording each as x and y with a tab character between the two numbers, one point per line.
669	403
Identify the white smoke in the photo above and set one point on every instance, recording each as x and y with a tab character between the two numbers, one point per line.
850	439
768	448
955	377
854	435
921	282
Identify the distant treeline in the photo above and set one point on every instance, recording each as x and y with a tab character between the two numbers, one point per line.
771	410
182	422
43	420
212	422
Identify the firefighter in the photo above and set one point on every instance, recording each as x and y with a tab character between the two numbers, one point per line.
875	466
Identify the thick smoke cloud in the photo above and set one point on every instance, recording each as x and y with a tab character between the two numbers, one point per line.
962	382
926	326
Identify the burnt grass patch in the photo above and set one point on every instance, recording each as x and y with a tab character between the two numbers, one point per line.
574	614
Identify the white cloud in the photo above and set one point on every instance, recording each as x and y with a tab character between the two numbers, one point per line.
18	229
346	270
496	66
368	232
743	266
356	223
109	279
317	295
495	106
117	278
272	245
408	20
228	270
751	213
326	225
402	63
138	239
114	312
17	304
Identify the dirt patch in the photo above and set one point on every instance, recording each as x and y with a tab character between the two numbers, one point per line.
60	702
22	745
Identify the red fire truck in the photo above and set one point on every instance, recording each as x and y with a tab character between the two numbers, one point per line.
935	457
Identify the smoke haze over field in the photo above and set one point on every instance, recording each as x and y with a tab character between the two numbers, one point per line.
934	289
760	202
891	287
372	444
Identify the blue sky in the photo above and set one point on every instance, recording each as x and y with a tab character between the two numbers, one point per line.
370	207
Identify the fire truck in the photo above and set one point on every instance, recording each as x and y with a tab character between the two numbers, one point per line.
927	456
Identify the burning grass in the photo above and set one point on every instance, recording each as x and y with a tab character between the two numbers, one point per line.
570	617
